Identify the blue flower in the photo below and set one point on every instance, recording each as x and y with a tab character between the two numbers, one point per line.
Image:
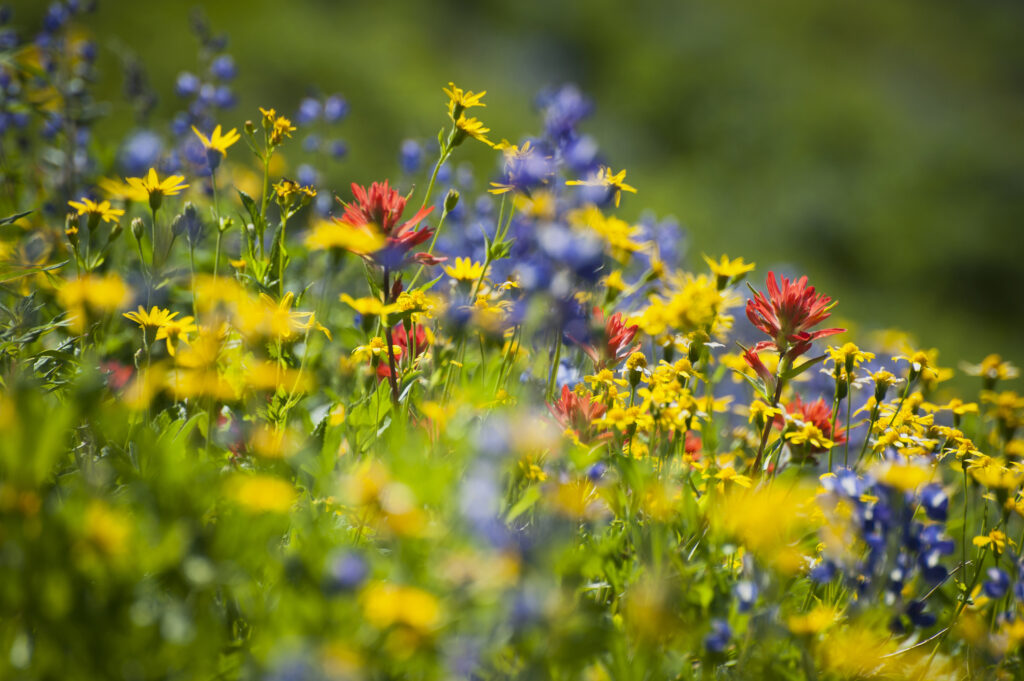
223	67
410	156
563	110
309	111
187	85
935	501
997	584
718	639
335	108
345	572
746	593
140	152
339	149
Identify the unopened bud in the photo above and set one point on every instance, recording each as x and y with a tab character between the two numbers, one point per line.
138	228
115	233
451	200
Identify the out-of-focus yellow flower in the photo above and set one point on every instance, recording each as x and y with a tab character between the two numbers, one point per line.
107	530
903	476
386	604
91	292
328	234
369	306
813	622
622	237
261	493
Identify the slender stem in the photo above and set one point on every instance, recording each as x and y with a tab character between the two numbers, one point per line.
553	372
393	374
280	256
771	419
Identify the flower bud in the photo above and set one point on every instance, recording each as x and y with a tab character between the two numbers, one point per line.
115	233
451	200
138	228
249	127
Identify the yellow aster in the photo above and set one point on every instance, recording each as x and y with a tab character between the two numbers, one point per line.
155	188
465	270
459	100
474	128
153	319
174	330
727	269
606	178
100	210
217	141
328	234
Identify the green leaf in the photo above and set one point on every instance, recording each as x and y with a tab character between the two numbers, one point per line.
796	371
525	503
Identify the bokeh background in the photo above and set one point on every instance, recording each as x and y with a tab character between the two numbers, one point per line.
877	147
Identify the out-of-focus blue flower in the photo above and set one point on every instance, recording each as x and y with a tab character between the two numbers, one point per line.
55	17
224	97
410	156
309	111
745	592
305	174
917	615
335	108
997	583
8	39
935	501
187	84
140	152
311	143
223	67
180	123
563	109
339	149
719	637
51	126
596	471
580	154
346	571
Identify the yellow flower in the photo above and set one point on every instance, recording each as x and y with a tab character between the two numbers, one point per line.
369	306
605	178
107	530
91	292
217	141
905	477
818	619
116	189
465	270
459	100
472	127
373	350
289	190
995	540
621	237
98	211
278	127
730	475
154	319
173	330
261	493
156	188
728	270
328	234
386	604
811	435
992	368
849	355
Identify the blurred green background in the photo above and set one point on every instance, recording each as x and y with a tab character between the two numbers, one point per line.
876	146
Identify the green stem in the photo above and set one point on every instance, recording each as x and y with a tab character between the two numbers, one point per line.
553	371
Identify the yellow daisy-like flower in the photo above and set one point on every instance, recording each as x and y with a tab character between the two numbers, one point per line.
995	540
606	178
465	270
97	211
174	330
728	270
472	127
118	189
849	355
459	100
217	141
369	306
811	435
153	319
156	188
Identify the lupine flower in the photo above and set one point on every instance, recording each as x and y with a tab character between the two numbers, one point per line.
788	315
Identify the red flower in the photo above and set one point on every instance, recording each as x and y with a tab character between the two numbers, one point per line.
818	414
400	337
382	206
576	413
788	314
617	339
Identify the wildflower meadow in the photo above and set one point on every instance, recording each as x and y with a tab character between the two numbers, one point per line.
465	421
